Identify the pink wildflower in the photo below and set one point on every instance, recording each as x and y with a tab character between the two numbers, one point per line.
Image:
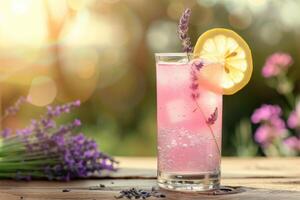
294	118
265	112
292	143
276	63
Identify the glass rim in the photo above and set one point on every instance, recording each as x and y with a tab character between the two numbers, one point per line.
176	54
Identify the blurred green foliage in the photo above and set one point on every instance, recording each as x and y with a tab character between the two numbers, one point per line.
243	140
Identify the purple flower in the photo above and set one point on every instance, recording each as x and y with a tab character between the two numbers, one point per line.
277	123
292	143
12	110
194	85
77	122
5	132
294	118
213	117
183	31
272	126
262	134
265	113
58	110
195	96
276	63
197	64
265	134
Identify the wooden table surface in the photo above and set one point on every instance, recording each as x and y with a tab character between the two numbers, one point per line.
257	178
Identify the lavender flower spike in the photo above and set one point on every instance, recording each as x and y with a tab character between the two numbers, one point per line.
12	110
213	117
183	31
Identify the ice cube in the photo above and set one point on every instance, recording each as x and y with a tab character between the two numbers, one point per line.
209	101
172	75
177	110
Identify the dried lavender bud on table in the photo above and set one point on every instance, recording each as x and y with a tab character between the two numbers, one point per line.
135	193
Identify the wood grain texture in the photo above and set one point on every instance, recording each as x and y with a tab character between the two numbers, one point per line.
260	178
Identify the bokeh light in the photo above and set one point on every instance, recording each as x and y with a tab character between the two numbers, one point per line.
174	9
289	14
161	37
240	19
270	33
42	91
207	3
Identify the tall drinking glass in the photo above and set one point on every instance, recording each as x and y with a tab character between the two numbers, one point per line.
189	120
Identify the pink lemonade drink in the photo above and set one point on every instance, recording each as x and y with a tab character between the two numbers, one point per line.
189	120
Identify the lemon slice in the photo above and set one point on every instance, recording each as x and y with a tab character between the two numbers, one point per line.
227	49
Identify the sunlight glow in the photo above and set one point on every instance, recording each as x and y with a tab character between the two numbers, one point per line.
78	4
88	29
20	7
22	23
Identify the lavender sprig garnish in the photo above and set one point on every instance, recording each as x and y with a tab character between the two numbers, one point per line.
183	28
46	150
213	117
195	69
194	85
196	66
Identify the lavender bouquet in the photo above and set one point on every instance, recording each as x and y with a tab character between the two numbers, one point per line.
45	149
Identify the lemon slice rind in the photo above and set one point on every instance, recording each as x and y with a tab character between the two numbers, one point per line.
232	52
